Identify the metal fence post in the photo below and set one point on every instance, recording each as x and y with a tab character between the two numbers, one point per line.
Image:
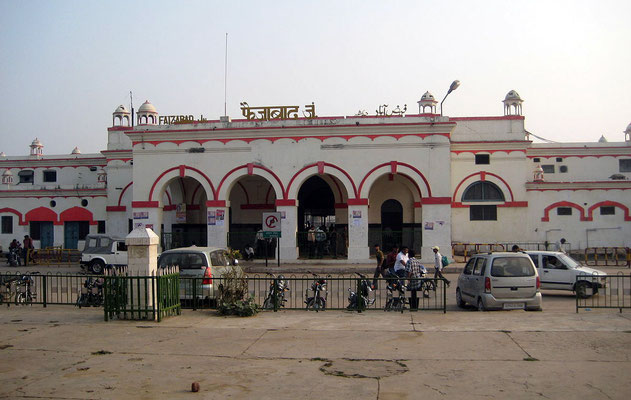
275	294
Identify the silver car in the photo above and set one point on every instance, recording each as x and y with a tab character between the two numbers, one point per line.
504	281
198	266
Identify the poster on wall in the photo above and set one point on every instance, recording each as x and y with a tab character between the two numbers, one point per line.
141	215
139	225
429	226
180	213
283	215
211	218
149	226
220	217
357	214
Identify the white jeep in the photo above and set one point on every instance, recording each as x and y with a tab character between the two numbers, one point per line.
102	250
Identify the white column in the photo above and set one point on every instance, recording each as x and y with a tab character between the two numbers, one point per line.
142	258
358	250
439	218
288	226
217	221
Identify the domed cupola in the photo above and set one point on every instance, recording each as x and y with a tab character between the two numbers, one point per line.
427	100
627	134
76	151
36	148
512	103
121	116
147	114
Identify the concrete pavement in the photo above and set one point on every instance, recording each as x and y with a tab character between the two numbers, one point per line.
66	353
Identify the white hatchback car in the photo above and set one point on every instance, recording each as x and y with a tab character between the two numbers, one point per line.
559	271
499	281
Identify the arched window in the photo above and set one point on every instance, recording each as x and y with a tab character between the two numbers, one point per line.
483	191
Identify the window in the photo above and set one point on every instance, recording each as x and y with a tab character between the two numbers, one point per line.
84	203
7	224
121	246
604	210
563	169
26	176
535	259
50	176
482	158
468	269
34	230
548	168
536	159
551	262
84	229
559	159
478	270
483	191
625	165
101	227
564	211
483	213
512	266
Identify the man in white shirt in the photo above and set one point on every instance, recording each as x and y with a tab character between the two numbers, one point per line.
402	259
438	265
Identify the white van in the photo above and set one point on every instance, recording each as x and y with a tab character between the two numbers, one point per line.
559	271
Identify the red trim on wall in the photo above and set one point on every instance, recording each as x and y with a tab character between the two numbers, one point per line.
507	151
145	204
590	210
320	167
348	176
436	200
41	214
285	202
16	212
77	214
250	168
546	211
505	117
115	208
514	204
418	204
510	191
193	207
216	203
170	207
185	168
357	202
182	169
340	205
120	197
482	176
429	189
254	166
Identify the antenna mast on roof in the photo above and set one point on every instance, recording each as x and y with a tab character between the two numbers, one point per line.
131	105
225	79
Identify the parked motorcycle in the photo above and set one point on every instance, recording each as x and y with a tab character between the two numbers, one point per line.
317	301
91	293
24	293
13	256
395	297
359	301
276	294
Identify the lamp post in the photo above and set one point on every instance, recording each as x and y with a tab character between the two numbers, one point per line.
454	86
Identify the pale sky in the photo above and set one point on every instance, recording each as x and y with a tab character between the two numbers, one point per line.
66	65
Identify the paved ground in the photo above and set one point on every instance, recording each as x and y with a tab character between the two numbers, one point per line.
66	353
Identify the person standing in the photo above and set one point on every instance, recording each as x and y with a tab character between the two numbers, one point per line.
438	265
402	259
413	271
28	248
380	257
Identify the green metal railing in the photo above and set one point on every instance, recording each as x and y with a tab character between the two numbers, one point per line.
603	291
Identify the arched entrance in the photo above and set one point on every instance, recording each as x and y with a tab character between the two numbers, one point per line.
391	223
393	217
183	214
250	197
320	233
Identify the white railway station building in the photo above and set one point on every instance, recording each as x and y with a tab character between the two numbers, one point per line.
415	179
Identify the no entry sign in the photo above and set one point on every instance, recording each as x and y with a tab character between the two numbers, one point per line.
271	225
